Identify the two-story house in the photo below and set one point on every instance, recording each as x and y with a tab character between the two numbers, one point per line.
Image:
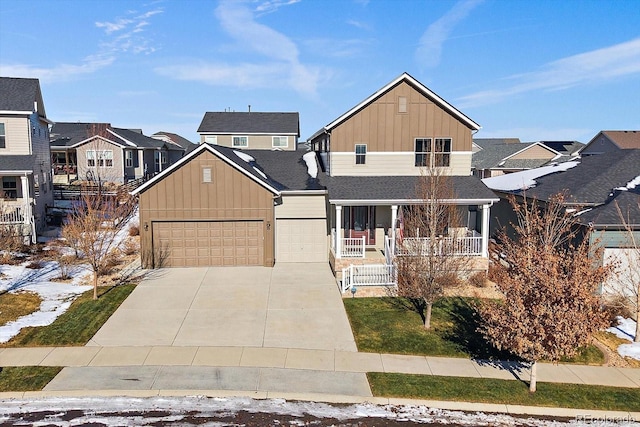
612	140
375	154
251	130
228	204
25	163
99	151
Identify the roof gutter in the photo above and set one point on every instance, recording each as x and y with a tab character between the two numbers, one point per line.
410	202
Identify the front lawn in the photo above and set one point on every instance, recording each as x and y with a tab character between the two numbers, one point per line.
18	304
79	323
26	378
392	325
510	392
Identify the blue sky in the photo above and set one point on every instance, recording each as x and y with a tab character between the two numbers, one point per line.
536	70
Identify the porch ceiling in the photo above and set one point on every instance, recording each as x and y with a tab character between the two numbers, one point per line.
401	189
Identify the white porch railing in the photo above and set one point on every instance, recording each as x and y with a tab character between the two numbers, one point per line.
12	215
368	275
464	246
350	247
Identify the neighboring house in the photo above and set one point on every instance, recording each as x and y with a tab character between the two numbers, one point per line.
100	152
25	162
494	157
224	207
612	140
594	186
375	155
251	130
175	139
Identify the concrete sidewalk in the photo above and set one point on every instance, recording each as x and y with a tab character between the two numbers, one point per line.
312	360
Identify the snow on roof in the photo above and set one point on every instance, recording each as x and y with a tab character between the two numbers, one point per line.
630	185
244	156
260	172
312	166
525	179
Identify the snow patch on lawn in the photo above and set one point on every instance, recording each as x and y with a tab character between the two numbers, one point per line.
626	330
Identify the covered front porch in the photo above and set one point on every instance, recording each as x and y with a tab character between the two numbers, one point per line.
16	213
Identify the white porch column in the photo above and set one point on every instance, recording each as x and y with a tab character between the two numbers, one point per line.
394	218
338	247
485	230
24	180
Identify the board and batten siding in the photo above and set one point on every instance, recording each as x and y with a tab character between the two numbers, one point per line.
255	142
109	174
535	152
388	163
382	127
183	196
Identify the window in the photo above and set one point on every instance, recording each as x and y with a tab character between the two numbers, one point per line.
442	152
3	137
423	148
240	141
206	174
402	104
437	154
9	187
128	158
280	142
101	158
163	157
211	139
361	154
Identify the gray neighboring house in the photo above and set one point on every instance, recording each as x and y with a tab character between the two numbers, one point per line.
173	138
612	140
499	156
251	130
99	151
25	161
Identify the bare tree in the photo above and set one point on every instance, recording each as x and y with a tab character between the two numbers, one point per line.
549	282
624	285
93	227
429	259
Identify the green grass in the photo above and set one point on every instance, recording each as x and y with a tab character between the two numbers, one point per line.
393	325
79	323
26	378
511	392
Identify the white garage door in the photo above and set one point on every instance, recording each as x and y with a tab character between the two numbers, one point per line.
624	282
301	240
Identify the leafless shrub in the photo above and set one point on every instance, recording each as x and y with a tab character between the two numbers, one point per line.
478	280
134	230
130	247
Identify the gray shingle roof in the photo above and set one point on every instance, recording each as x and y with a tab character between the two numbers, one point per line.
138	139
607	216
591	181
232	122
18	94
287	170
17	163
400	188
64	134
176	139
523	163
493	153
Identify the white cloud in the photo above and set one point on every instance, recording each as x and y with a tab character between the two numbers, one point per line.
281	69
359	24
128	33
273	5
592	67
111	27
62	72
430	47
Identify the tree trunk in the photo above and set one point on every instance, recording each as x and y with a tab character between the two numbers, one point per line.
637	337
95	285
534	377
427	315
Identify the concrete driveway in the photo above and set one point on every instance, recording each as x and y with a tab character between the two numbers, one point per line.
287	306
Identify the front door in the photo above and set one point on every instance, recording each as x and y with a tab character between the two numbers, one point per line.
362	223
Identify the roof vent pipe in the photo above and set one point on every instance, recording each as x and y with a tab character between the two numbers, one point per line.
249	107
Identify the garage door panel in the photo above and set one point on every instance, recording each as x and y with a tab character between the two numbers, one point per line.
209	243
301	240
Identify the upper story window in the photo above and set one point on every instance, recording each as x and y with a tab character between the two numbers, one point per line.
402	104
128	158
206	174
100	158
3	136
240	141
211	139
280	142
361	154
433	153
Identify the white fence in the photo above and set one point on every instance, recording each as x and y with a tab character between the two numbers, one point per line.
350	247
368	275
469	246
12	215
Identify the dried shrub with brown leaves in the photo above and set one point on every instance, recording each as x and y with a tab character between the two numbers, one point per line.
478	280
134	230
130	247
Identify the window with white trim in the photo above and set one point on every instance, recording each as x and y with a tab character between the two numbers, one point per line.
100	158
240	141
280	142
206	174
3	136
128	158
9	187
402	104
211	139
442	152
422	150
361	154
